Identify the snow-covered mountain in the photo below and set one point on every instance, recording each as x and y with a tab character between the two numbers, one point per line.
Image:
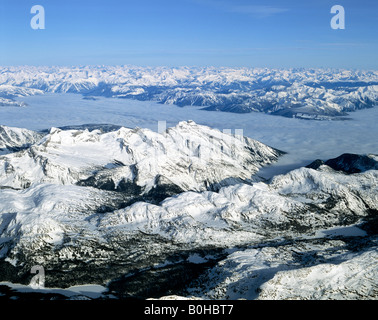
304	93
4	102
14	139
148	214
138	161
319	269
349	163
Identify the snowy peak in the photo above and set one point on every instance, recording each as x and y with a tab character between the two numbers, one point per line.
303	93
14	139
186	157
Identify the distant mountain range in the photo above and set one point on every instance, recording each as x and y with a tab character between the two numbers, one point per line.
319	94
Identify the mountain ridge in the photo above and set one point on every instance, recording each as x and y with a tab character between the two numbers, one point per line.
86	233
319	94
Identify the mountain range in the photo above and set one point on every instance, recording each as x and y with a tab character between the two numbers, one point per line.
184	212
319	94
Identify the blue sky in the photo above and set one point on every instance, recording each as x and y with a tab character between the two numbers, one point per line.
263	33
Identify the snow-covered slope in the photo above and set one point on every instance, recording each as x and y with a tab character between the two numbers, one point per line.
4	102
138	161
296	204
68	226
13	139
304	93
120	207
312	270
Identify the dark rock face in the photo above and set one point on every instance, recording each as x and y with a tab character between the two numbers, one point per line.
352	163
315	164
348	163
